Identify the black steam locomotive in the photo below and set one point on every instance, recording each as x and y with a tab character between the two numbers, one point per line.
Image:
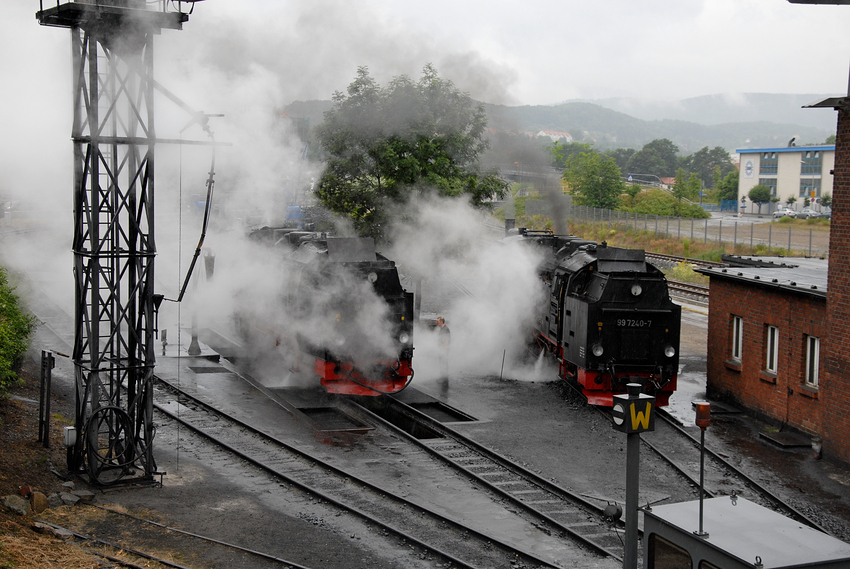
608	320
348	319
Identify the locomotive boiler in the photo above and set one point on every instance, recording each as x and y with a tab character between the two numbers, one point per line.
609	320
348	320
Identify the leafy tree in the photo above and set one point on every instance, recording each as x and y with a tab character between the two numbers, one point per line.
706	163
791	200
657	157
632	190
728	186
16	327
595	179
686	186
385	143
830	139
759	194
621	156
826	199
561	153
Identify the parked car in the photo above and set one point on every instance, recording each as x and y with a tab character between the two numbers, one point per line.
783	212
807	213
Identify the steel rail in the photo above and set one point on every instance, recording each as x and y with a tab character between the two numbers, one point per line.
345	476
702	292
552	492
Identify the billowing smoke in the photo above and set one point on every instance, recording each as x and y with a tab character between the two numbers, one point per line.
487	290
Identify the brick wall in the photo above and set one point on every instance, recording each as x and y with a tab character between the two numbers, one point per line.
835	385
782	396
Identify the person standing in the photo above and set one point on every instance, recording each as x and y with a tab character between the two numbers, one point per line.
444	340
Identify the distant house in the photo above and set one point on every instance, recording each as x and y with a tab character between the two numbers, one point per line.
667	183
556	136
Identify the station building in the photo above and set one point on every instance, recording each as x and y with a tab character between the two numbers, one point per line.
778	337
798	171
766	322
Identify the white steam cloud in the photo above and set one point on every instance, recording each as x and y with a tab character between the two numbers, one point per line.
487	290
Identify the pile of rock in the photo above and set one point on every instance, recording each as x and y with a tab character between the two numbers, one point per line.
29	501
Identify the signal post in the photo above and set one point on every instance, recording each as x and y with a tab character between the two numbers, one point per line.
633	414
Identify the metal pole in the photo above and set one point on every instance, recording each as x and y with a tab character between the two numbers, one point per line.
701	533
705	235
735	238
720	233
810	242
751	238
769	237
789	239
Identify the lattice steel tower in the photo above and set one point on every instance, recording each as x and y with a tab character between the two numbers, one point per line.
114	247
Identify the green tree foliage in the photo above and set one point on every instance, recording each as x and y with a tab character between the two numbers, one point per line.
594	179
727	188
15	330
657	158
562	153
826	199
686	187
621	156
386	143
830	139
759	195
705	163
659	202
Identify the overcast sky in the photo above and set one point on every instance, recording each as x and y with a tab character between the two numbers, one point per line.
234	55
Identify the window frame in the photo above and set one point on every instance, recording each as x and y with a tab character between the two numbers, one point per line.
771	349
737	337
769	163
811	372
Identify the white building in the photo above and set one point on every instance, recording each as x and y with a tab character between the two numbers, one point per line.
799	171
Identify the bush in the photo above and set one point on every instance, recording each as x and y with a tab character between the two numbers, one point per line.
15	330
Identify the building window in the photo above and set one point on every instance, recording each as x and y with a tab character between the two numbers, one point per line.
771	348
811	163
769	163
737	337
812	360
770	183
809	188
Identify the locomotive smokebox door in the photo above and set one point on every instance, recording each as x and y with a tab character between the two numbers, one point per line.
633	414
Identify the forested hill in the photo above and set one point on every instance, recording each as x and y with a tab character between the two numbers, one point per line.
607	128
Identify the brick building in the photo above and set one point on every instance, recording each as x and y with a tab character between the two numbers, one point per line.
811	330
766	326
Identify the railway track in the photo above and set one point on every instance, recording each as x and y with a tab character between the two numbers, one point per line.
675	259
678	447
695	292
557	509
433	533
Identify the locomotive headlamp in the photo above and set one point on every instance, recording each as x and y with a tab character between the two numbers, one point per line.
669	351
404	338
636	289
597	350
339	340
372	277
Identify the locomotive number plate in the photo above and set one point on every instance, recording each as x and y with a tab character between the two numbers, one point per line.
633	323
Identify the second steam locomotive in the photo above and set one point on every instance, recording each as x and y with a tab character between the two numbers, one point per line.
348	320
609	320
